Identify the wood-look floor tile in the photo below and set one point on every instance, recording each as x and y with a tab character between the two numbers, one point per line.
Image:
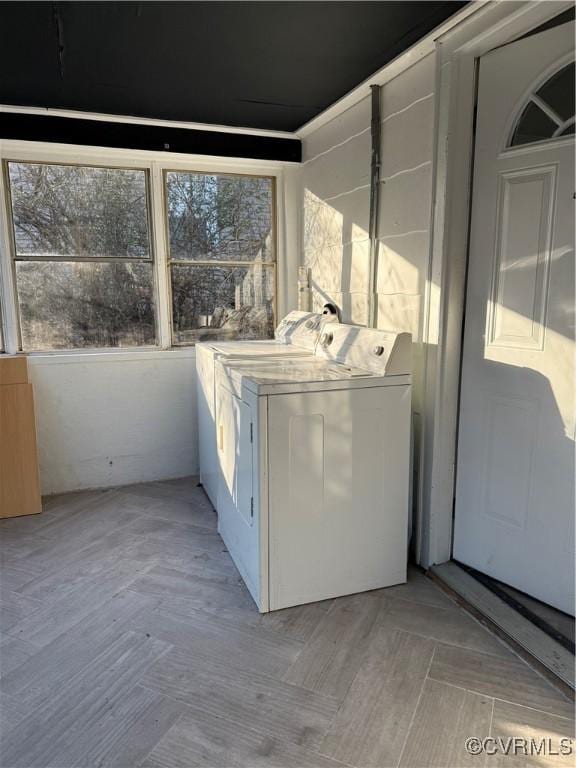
12	528
225	596
507	678
67	536
545	732
334	652
168	533
14	608
184	488
144	718
204	740
56	663
372	724
17	549
12	712
176	510
13	578
134	584
222	640
450	624
181	555
419	589
243	696
445	718
66	504
89	713
201	590
13	653
62	580
44	625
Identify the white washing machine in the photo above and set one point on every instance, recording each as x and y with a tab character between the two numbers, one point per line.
295	336
315	467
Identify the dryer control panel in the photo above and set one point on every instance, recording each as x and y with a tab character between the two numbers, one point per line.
386	353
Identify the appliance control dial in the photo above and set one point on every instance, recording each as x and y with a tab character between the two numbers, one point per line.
327	339
378	351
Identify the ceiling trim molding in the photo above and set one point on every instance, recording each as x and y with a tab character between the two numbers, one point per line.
424	47
149	121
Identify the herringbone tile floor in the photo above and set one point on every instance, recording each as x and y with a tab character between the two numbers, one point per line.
127	639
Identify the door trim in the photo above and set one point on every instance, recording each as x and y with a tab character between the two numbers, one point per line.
457	54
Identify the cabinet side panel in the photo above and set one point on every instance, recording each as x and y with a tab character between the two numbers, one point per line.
338	501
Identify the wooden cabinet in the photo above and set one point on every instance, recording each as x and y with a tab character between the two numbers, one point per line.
19	481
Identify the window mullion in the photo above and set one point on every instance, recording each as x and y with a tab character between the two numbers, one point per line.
160	243
9	309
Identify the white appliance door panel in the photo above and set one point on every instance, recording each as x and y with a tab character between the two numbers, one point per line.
338	492
237	519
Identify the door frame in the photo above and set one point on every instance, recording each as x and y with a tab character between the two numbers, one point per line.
457	54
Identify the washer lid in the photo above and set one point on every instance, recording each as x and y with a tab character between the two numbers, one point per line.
304	374
267	348
309	368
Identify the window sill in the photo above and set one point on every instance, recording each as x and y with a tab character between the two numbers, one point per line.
108	355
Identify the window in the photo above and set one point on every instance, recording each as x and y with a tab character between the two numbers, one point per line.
83	259
222	256
549	113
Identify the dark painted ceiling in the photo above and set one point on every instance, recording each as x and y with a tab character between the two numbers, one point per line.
260	64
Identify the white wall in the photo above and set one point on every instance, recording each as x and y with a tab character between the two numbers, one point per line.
114	418
336	204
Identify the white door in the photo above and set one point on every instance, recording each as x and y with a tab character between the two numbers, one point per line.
514	517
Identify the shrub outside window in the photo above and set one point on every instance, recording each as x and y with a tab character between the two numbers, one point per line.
82	254
222	255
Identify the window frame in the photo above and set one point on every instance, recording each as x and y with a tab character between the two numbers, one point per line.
285	175
14	258
507	147
218	262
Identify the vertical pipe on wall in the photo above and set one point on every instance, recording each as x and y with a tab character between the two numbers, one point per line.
375	128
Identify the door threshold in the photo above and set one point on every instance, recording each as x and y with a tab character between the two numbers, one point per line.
533	644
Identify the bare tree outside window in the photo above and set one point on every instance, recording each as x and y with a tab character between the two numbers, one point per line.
83	259
222	256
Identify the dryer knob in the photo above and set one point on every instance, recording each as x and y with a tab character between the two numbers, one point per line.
327	339
378	351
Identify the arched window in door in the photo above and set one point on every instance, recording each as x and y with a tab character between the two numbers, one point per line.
549	112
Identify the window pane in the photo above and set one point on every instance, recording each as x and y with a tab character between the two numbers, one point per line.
225	218
75	305
534	125
220	302
62	210
558	92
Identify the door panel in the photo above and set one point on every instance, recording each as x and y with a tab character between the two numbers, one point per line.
517	311
237	515
338	492
514	516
